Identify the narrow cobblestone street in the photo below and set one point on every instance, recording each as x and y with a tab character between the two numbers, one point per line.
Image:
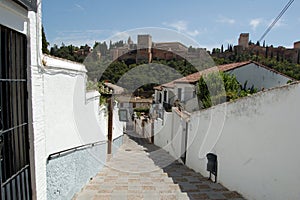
136	173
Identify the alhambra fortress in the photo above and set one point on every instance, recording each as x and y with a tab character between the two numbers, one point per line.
245	46
146	50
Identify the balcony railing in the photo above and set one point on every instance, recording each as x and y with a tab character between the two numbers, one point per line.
30	5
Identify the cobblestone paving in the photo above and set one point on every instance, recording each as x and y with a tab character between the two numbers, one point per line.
135	172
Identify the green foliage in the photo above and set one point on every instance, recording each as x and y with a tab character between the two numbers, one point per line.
216	88
138	75
91	85
100	47
68	52
103	100
216	50
45	43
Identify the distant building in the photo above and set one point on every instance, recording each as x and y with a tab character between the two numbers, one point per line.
144	46
297	45
184	89
280	53
113	89
146	50
244	40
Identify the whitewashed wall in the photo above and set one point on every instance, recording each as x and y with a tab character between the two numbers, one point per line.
72	119
259	77
162	133
143	128
36	112
70	114
103	119
187	91
177	135
26	22
118	127
257	144
168	133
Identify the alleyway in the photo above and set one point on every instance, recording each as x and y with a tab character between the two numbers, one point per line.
136	172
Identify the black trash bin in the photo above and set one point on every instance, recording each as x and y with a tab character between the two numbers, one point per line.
212	165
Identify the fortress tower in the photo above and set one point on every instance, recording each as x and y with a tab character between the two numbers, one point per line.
244	40
144	45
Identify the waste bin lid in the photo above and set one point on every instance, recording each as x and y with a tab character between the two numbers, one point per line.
211	156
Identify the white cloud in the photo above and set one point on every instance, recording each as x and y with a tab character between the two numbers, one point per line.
79	6
179	25
226	20
182	26
254	23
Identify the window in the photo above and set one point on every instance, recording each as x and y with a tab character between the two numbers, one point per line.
14	140
159	98
165	95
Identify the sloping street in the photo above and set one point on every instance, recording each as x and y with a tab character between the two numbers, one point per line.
136	172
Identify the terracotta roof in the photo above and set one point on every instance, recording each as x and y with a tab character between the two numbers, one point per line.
196	76
192	78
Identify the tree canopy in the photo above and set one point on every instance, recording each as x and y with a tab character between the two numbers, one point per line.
219	87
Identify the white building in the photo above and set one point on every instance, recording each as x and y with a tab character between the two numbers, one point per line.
184	89
53	135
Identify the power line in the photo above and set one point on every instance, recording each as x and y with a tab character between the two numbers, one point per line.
276	20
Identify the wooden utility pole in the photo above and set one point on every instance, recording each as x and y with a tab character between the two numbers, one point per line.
110	123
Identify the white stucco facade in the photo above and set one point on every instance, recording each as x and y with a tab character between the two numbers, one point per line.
255	139
29	23
252	73
259	77
62	114
170	133
70	112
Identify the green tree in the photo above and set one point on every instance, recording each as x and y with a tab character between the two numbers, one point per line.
45	43
215	88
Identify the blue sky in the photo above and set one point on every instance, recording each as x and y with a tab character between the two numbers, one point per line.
210	23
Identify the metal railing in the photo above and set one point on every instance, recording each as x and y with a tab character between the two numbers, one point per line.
74	149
